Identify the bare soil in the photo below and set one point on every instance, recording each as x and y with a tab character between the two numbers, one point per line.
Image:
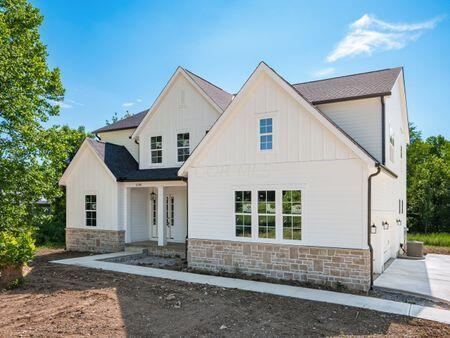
59	300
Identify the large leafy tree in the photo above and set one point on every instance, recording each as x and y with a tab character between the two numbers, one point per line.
29	89
428	183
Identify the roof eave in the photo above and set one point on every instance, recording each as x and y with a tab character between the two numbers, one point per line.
351	98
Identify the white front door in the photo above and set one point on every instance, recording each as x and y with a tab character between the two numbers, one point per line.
170	212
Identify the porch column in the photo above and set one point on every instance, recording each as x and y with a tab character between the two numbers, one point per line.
161	226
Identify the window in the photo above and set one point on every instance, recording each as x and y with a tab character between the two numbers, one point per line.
265	134
90	206
266	214
156	149
243	213
292	214
183	146
391	143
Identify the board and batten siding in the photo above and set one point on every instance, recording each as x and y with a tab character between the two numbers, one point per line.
306	155
88	177
122	138
182	110
361	119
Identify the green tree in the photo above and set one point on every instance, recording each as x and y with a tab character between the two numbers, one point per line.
28	92
115	118
428	183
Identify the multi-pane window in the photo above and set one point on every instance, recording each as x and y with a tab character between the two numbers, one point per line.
90	206
265	134
243	213
292	214
266	214
183	146
156	149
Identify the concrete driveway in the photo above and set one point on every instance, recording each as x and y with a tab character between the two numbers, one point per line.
429	277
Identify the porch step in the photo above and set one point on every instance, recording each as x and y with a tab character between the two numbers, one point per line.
152	248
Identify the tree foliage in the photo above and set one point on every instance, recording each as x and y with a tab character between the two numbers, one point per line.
428	178
28	92
115	118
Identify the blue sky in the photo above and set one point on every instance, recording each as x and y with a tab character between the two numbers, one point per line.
118	55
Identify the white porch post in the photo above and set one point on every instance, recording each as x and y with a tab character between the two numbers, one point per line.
161	226
125	221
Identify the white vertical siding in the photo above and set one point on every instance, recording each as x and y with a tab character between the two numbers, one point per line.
122	137
361	119
195	115
306	155
89	176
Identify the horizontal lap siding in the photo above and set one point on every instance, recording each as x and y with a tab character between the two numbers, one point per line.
333	199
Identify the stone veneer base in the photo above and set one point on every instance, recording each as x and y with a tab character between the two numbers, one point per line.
318	265
95	240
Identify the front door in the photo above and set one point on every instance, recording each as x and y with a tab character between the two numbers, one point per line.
170	212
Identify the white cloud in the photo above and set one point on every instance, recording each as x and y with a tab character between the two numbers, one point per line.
138	100
369	34
75	102
324	72
62	104
127	104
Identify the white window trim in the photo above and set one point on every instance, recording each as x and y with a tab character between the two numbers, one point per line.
176	143
262	116
91	192
278	213
162	151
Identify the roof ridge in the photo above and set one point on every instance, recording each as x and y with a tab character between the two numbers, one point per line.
212	84
348	75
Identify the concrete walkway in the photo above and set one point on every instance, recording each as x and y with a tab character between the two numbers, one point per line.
429	277
377	304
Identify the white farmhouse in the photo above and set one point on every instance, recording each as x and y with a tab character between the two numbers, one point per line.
299	181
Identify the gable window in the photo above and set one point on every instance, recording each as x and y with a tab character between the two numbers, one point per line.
266	134
183	146
292	214
243	213
90	207
391	143
156	149
266	214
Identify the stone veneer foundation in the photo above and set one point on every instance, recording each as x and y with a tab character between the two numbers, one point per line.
95	240
319	265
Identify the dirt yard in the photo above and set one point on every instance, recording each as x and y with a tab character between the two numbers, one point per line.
61	300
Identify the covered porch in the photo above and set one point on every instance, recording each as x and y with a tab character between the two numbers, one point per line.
154	215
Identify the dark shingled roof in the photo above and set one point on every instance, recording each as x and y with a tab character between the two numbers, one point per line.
126	123
349	87
125	168
218	95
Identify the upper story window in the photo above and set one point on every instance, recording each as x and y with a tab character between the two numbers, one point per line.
90	207
156	149
391	144
266	134
183	146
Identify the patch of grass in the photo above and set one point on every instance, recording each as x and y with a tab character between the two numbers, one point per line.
434	239
51	245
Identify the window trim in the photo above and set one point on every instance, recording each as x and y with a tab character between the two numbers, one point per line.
90	193
278	214
235	213
162	151
184	147
259	134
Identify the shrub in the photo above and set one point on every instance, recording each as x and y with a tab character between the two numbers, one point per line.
433	239
16	249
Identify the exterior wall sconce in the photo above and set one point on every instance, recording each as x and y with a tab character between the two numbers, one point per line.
399	222
153	196
385	225
373	229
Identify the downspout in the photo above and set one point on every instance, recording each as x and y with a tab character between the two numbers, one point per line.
369	218
187	217
383	131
